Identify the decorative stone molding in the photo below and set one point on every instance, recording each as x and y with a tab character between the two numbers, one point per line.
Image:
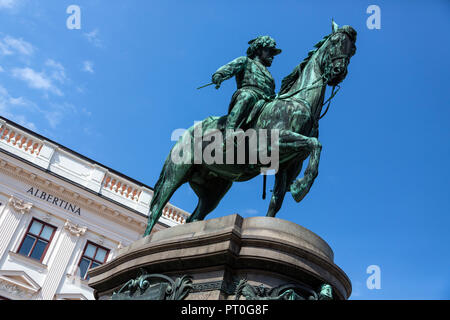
16	138
176	214
19	205
70	296
15	290
101	240
121	187
284	292
74	229
154	287
224	286
18	283
22	259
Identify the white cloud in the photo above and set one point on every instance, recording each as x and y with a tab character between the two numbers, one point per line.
10	45
93	38
23	121
88	66
54	118
21	101
11	108
80	89
36	80
251	211
57	112
19	109
86	112
8	4
58	72
10	102
48	77
3	91
7	100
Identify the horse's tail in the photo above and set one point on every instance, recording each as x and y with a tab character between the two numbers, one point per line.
171	168
160	183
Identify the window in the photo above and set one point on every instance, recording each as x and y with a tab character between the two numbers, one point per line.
37	240
93	256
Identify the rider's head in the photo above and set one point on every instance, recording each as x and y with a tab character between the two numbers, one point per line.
263	47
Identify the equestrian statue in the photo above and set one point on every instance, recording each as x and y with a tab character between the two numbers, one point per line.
292	116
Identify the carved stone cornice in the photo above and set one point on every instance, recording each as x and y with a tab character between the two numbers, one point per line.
19	205
74	229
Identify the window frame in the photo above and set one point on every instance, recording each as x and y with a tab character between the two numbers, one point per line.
92	260
38	237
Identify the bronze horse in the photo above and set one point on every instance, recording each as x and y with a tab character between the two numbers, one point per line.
294	114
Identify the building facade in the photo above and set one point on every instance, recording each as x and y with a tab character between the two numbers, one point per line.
62	214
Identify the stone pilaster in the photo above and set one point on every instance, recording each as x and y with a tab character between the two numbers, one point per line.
12	215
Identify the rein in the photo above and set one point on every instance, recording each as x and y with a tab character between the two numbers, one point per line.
310	87
333	94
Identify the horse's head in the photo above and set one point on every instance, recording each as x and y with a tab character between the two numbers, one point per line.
338	48
332	54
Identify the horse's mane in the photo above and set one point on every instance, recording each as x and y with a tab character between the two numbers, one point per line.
290	79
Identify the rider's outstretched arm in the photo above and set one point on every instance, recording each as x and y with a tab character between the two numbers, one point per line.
229	70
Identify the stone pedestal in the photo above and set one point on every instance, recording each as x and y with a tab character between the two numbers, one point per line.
224	258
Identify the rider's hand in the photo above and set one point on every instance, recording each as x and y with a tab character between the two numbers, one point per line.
217	80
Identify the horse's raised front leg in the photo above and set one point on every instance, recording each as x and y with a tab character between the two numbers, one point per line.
300	187
278	194
293	142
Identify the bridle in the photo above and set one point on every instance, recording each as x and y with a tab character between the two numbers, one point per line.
325	77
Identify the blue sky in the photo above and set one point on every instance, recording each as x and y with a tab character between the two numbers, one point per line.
117	88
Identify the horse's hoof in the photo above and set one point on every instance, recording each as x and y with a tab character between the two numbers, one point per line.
146	233
298	190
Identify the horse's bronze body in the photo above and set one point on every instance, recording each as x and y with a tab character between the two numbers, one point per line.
294	114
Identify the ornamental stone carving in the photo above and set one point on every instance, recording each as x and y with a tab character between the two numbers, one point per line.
74	229
15	290
154	287
19	205
283	292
